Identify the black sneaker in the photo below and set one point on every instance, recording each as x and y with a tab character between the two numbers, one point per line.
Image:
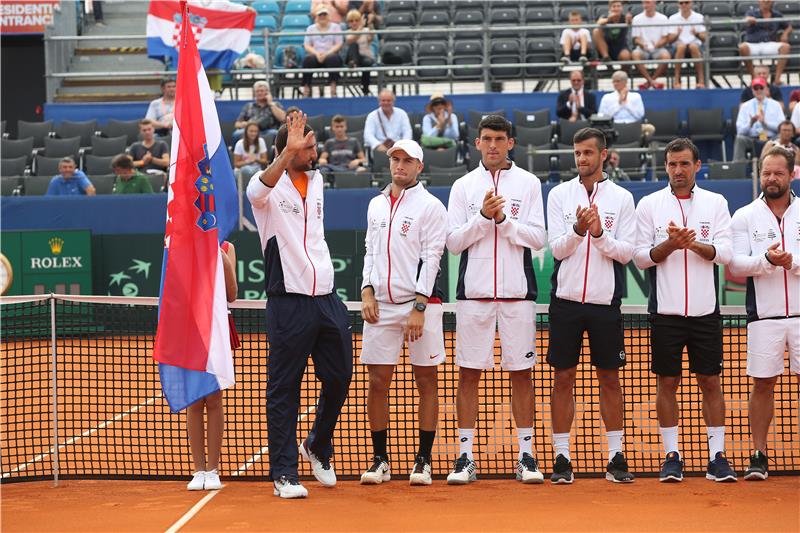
378	472
617	470
421	473
720	470
757	471
671	468
562	471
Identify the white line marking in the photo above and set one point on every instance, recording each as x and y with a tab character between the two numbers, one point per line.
86	433
263	451
191	512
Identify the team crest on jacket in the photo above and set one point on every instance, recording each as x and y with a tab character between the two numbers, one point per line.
515	209
608	222
705	230
288	207
405	227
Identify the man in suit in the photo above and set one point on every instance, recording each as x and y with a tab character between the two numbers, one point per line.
576	103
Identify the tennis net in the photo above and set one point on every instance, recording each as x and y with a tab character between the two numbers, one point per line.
80	398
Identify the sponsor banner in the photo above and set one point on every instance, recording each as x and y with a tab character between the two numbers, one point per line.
26	16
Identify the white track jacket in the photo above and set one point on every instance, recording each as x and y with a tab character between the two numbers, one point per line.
404	245
772	292
496	259
588	269
684	283
296	256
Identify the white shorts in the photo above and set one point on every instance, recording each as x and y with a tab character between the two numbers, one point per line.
764	49
767	341
383	341
476	324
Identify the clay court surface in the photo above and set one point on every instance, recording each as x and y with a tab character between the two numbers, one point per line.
488	505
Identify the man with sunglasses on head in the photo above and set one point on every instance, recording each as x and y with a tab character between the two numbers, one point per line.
757	122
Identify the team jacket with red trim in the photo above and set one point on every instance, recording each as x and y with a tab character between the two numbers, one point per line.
404	245
296	256
589	269
772	292
684	283
496	259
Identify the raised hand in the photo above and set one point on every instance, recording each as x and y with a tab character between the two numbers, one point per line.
595	228
296	140
491	204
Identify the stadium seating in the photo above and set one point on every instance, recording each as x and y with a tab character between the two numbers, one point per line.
37	130
13	166
84	130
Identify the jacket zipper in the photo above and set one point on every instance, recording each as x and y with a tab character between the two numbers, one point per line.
392	213
305	248
685	267
588	243
781	228
496	183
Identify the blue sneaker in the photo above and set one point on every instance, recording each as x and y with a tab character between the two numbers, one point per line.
720	470
671	469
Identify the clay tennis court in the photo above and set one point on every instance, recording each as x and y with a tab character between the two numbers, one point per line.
115	428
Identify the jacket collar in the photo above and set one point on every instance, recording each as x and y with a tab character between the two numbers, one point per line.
411	189
484	170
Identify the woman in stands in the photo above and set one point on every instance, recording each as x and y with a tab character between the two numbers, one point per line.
206	476
322	44
250	152
359	47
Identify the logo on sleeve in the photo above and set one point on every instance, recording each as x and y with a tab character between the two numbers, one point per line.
319	209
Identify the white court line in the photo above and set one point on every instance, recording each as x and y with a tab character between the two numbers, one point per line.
191	512
257	456
86	433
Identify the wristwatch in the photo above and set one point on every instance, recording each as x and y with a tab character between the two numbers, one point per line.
420	306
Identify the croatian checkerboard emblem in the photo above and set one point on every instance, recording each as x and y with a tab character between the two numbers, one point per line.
705	229
405	227
609	221
514	210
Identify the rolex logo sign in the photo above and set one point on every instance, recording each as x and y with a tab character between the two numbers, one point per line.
56	245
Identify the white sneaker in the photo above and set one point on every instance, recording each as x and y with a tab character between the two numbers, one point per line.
212	480
198	481
289	488
463	472
421	473
377	473
528	470
321	469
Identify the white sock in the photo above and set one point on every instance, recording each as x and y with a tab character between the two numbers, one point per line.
561	445
525	440
465	437
716	440
614	440
669	438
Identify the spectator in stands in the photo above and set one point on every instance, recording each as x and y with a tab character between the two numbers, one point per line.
70	181
342	153
785	140
322	51
651	37
129	180
149	154
762	71
161	110
440	124
767	36
575	41
794	97
359	47
614	172
250	153
264	111
371	11
576	103
386	124
757	122
624	106
795	118
337	9
688	35
612	43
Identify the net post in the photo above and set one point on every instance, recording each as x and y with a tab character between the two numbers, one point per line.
55	388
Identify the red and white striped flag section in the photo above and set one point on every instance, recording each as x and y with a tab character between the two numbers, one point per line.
193	342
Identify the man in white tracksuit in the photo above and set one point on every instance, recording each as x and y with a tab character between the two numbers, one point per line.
401	300
591	229
766	249
682	234
496	220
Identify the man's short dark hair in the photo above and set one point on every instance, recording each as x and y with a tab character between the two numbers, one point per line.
780	151
495	123
679	145
790	123
122	161
283	134
338	119
165	81
584	134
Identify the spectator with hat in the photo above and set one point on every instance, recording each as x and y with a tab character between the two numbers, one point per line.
757	122
322	49
440	124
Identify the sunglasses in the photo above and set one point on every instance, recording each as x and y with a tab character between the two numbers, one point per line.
758	87
683	3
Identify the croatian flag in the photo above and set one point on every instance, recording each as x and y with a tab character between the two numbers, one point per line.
222	30
193	339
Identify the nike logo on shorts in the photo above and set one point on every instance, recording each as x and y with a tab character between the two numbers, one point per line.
433	356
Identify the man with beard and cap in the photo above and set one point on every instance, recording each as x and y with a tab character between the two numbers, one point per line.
304	315
591	231
683	233
766	249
